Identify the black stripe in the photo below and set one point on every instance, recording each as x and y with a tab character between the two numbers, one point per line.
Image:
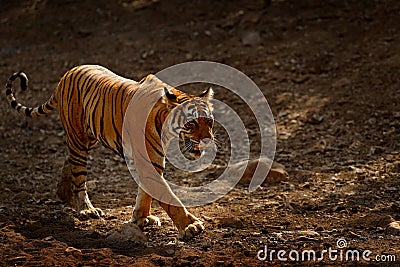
8	91
85	81
41	111
119	148
91	85
76	174
24	83
13	77
77	155
178	120
76	76
78	185
28	112
13	104
78	190
49	107
102	119
86	75
157	166
18	108
114	109
76	162
158	119
154	147
93	116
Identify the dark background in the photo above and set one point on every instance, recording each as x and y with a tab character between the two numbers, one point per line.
329	69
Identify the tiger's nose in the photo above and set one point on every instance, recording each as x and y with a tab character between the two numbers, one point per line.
204	143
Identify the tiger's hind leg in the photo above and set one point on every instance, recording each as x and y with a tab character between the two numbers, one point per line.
72	187
64	190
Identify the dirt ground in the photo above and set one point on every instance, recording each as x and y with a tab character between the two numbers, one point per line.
330	71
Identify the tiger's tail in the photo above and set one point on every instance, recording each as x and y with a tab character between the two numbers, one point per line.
38	111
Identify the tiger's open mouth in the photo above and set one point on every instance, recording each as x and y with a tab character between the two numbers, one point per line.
193	148
191	145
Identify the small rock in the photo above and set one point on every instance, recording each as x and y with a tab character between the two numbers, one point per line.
208	219
300	79
370	221
316	119
170	251
354	235
72	250
308	233
356	170
48	238
83	32
237	244
251	38
188	56
393	167
276	174
171	247
341	83
127	232
393	228
279	236
385	220
306	185
230	222
250	18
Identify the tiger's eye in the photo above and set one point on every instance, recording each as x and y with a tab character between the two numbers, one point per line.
192	124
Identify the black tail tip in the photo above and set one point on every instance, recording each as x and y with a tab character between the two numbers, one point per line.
24	80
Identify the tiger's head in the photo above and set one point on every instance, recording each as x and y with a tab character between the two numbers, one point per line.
191	120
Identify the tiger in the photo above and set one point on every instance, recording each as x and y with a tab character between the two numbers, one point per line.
91	102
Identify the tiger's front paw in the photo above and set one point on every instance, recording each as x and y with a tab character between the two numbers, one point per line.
192	229
149	220
94	213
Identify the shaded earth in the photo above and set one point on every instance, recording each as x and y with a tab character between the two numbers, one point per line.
330	71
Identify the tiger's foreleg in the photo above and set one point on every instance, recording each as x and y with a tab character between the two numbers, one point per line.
141	213
188	225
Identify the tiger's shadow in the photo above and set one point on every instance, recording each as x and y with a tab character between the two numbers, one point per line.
61	233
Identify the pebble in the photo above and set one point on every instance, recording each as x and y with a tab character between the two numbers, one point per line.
308	233
127	232
393	228
393	167
72	250
208	219
230	222
276	174
251	38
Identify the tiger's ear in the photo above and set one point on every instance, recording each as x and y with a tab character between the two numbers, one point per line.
169	96
209	93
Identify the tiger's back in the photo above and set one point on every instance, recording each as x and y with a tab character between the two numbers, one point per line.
92	100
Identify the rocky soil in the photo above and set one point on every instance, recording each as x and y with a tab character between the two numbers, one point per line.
330	71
